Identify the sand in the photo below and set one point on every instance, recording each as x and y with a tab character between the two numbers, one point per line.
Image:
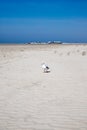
33	100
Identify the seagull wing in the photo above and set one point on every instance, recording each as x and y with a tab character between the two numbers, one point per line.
47	67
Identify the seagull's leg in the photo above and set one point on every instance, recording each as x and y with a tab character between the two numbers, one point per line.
44	70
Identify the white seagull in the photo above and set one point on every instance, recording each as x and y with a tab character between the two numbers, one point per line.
45	68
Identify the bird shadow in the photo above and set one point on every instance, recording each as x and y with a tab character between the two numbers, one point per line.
48	71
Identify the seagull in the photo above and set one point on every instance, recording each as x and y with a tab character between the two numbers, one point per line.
45	68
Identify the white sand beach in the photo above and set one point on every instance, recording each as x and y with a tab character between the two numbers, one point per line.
33	100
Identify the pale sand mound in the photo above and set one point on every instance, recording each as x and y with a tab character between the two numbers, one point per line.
33	100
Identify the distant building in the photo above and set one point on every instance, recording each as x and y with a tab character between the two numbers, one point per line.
54	42
49	42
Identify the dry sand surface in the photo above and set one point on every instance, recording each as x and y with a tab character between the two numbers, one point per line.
33	100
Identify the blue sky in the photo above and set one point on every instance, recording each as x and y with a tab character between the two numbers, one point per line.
43	20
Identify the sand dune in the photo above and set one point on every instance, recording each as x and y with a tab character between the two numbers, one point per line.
33	100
